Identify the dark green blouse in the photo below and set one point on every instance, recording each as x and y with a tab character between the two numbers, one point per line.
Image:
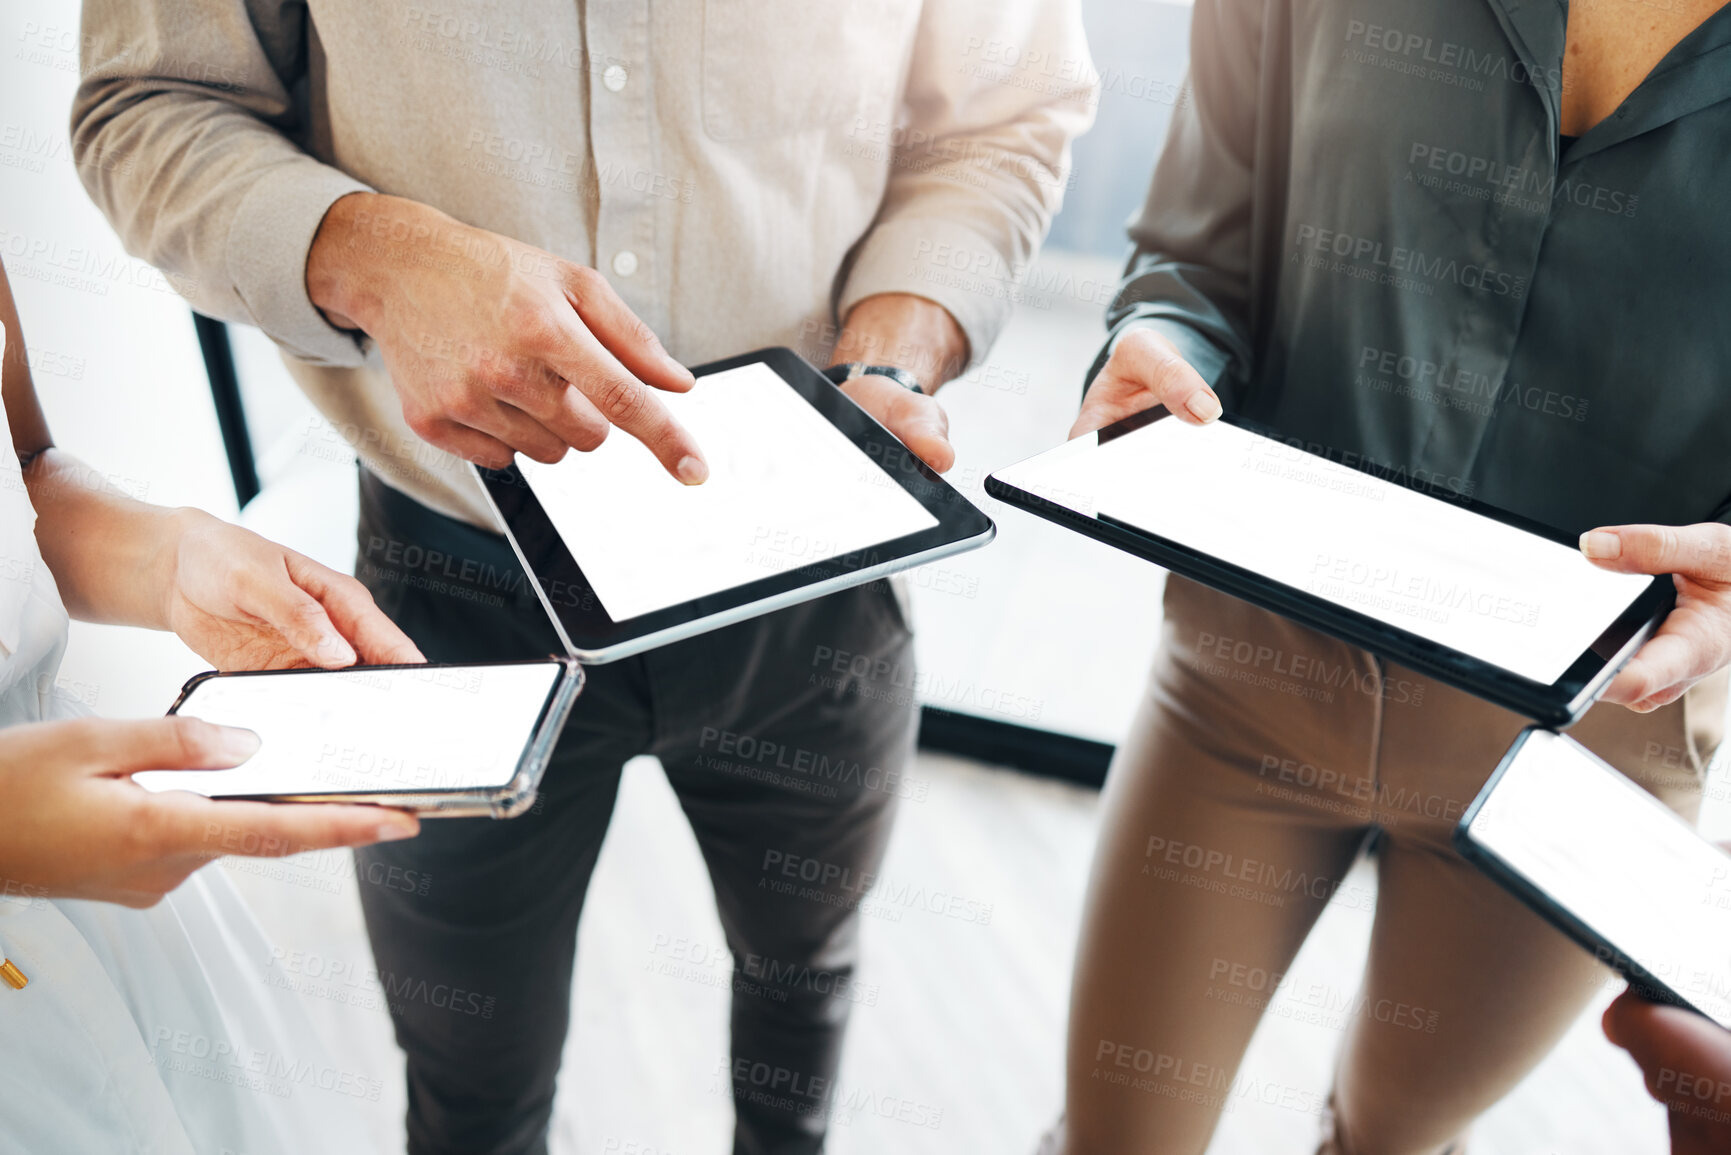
1366	231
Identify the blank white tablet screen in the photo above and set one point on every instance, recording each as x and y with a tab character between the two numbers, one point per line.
786	489
361	731
1610	854
1510	598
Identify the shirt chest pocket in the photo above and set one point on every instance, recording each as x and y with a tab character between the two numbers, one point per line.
776	67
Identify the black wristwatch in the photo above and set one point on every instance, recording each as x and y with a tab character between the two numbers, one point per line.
848	370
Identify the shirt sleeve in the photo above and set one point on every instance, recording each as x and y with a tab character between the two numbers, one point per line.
995	94
1189	274
182	133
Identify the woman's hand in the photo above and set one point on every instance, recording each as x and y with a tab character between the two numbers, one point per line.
1687	1062
78	827
1145	370
1695	638
244	603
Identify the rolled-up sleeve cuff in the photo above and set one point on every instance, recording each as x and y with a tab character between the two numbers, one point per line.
268	242
960	269
1203	355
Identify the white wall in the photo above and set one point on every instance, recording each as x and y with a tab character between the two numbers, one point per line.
116	361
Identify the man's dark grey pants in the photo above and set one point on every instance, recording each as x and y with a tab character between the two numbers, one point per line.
786	765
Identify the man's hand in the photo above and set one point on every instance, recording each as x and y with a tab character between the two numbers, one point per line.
78	827
920	336
1145	370
1695	638
1687	1062
244	603
495	347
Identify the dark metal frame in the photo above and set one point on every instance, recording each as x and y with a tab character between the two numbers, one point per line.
1040	752
230	412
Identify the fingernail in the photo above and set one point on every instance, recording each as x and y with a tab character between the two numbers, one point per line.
1601	546
236	743
692	470
676	368
1203	406
396	831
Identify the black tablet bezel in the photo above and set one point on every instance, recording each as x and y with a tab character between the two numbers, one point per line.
505	800
1558	705
1643	982
594	638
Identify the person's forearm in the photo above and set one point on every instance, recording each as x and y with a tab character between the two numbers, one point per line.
216	226
907	332
111	556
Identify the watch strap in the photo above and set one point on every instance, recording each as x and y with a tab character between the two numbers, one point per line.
849	370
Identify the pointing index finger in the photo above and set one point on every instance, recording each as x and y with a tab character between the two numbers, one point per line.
622	332
629	404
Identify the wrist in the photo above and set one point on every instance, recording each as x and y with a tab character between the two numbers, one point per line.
160	565
356	252
843	372
907	332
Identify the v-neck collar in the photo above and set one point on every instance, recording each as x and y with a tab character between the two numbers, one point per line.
1535	30
1695	74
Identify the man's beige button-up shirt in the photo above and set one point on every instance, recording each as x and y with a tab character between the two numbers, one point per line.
742	171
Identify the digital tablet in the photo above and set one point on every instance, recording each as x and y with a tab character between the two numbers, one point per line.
445	741
1609	865
1475	597
807	495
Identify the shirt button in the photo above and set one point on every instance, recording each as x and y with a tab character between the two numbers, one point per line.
614	78
625	263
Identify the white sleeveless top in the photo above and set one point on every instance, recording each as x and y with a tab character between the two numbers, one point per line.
140	1031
